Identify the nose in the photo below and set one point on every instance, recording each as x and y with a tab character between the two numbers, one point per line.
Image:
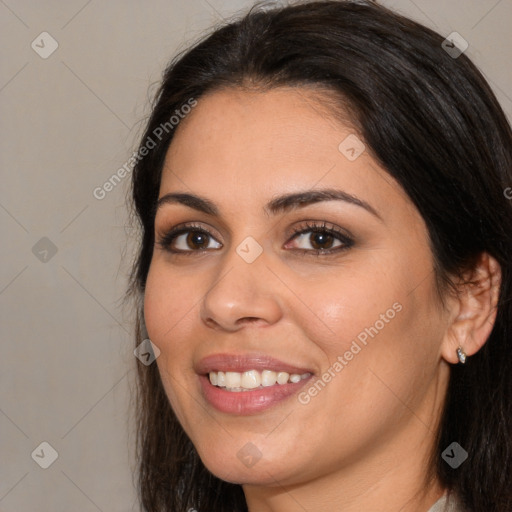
241	293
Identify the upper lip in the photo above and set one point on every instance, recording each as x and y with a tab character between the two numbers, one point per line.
245	362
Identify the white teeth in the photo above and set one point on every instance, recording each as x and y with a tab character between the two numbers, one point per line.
268	378
252	379
282	377
233	379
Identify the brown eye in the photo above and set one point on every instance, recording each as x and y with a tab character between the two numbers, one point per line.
319	239
188	239
196	240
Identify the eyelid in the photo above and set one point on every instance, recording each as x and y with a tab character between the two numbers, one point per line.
319	225
189	226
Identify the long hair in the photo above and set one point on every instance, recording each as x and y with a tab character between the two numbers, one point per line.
431	120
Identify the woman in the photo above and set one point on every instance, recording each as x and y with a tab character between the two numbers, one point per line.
325	271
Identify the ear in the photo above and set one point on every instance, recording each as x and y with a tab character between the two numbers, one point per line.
473	310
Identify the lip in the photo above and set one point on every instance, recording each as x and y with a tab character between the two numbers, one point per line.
244	363
253	401
249	402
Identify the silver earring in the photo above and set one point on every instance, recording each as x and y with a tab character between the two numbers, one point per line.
461	355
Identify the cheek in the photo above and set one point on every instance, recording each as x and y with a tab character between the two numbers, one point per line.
167	313
156	302
383	290
380	322
167	306
342	306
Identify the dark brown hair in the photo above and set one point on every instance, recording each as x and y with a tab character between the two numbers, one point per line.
434	124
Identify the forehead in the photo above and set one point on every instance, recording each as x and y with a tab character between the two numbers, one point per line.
240	126
233	128
263	143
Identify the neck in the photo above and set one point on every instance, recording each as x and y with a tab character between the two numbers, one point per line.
388	487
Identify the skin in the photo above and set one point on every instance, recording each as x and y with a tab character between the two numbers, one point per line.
363	441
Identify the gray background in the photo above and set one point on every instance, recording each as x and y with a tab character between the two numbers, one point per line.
68	122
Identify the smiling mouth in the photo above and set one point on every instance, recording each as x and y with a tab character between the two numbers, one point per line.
250	383
253	379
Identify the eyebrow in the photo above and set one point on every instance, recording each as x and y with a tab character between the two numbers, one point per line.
280	204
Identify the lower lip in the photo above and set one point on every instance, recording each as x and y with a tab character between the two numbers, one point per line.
248	402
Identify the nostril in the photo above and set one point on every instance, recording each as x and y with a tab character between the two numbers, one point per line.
248	319
210	322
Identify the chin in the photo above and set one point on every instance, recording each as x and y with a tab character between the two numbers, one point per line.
246	466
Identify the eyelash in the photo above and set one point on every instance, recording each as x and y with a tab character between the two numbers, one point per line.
166	240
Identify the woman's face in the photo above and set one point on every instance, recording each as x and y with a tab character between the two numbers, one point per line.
263	283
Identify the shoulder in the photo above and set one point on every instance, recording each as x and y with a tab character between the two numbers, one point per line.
447	504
